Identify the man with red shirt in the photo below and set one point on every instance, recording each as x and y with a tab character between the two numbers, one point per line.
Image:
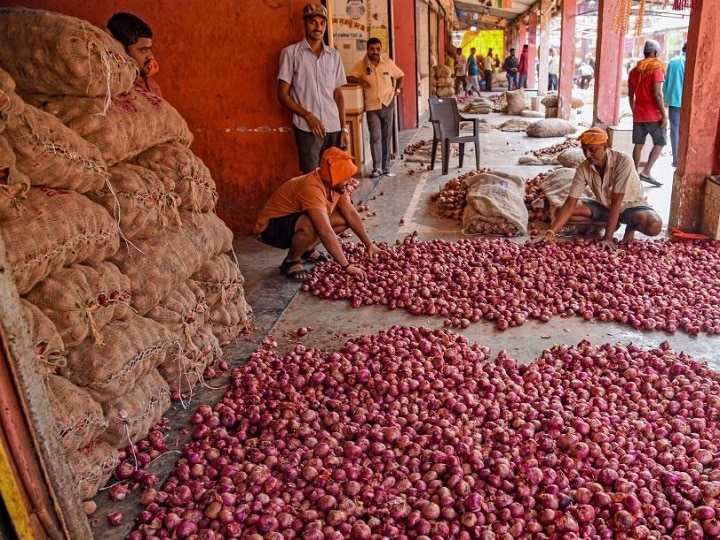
645	92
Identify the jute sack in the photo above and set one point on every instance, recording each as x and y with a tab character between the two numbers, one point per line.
80	300
14	185
515	101
184	371
132	416
181	312
132	349
551	100
53	155
157	265
78	416
191	179
557	186
220	279
51	229
92	465
134	121
550	127
444	91
45	339
571	157
230	320
10	103
49	53
495	197
138	200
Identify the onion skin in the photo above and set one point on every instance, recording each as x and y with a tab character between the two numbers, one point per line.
441	440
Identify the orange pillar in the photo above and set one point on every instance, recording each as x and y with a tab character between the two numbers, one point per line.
532	49
608	67
522	35
567	56
698	146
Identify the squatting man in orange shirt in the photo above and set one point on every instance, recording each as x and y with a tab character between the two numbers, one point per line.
381	80
618	192
310	209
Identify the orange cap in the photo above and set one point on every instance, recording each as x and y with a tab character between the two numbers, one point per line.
336	166
594	135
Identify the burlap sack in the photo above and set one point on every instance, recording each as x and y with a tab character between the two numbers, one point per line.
550	127
495	197
181	312
78	416
49	53
159	264
190	178
571	157
51	229
230	320
53	155
80	300
45	339
515	101
183	372
132	349
557	186
14	185
138	201
132	416
10	103
92	466
220	279
515	125
133	121
441	71
444	91
550	100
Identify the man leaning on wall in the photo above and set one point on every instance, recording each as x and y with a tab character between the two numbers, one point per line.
381	80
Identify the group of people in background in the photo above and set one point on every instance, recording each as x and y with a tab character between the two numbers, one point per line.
473	73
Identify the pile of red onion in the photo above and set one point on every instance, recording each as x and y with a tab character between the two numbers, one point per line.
414	433
660	285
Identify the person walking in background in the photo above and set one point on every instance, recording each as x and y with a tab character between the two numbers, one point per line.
586	75
523	67
460	71
645	94
672	95
310	82
136	37
488	68
510	66
381	80
553	70
473	72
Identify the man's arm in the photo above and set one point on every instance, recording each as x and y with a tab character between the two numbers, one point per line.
613	215
660	103
321	223
340	102
354	221
286	99
563	215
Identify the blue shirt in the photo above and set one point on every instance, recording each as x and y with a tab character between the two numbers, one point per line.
472	66
313	80
674	80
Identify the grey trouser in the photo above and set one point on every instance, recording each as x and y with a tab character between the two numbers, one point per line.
380	123
310	147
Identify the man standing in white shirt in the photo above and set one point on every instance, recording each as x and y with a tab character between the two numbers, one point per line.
553	70
381	80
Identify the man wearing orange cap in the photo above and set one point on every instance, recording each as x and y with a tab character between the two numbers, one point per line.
310	82
619	197
311	209
136	37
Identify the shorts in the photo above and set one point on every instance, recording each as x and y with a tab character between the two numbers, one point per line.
642	129
280	231
600	213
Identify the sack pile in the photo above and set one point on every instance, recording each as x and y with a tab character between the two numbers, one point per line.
128	282
442	82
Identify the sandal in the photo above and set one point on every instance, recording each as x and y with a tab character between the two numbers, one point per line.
314	256
297	275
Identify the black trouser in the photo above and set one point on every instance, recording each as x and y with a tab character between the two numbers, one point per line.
488	80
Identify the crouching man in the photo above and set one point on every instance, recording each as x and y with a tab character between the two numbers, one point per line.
313	209
618	192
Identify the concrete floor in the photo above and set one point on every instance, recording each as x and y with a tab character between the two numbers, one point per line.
280	308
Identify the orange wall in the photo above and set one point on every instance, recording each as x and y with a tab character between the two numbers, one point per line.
218	66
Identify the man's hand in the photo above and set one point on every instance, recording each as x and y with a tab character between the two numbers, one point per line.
344	139
316	126
547	237
664	122
356	271
374	251
608	245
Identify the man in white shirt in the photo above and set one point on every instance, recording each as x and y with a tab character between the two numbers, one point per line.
553	70
381	80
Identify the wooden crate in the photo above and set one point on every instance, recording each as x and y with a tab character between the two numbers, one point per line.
711	207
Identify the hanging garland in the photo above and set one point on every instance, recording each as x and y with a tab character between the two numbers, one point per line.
640	19
622	17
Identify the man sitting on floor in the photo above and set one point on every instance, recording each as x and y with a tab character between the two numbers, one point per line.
619	197
310	209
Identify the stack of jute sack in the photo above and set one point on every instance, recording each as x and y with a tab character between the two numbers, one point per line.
127	278
442	82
